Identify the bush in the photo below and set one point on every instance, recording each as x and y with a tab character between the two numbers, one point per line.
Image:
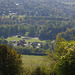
38	71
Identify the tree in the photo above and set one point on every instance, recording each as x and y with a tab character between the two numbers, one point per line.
62	58
65	53
10	61
26	34
66	65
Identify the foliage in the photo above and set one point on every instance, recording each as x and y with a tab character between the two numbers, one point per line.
30	50
35	49
3	41
46	28
10	61
69	34
65	53
66	65
38	71
39	8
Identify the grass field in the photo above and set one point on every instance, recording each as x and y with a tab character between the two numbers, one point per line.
31	60
15	38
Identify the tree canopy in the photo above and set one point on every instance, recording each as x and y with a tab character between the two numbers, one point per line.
10	61
65	57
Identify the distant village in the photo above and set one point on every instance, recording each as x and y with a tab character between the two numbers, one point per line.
24	43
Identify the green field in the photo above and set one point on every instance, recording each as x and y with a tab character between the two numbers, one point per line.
15	38
31	60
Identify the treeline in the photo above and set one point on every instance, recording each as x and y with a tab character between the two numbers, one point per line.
69	34
43	27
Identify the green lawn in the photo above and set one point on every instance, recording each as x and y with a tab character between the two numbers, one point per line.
27	40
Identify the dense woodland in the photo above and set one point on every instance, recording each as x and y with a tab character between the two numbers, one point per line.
49	20
44	18
38	7
46	28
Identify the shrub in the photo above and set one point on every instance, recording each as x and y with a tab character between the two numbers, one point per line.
38	71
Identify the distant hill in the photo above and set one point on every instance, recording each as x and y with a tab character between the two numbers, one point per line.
37	8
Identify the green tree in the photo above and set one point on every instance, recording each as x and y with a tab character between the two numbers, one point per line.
26	34
65	53
10	61
62	58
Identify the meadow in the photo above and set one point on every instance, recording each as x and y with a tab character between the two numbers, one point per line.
31	60
30	39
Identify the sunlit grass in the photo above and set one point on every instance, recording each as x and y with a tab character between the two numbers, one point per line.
33	40
15	38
